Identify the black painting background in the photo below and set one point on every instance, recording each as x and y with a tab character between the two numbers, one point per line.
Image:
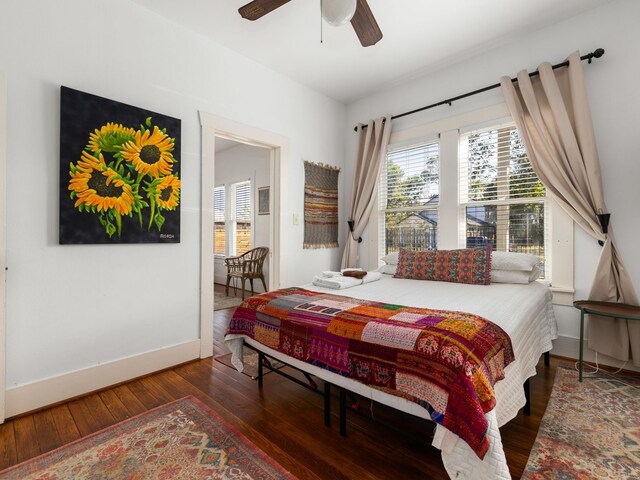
80	114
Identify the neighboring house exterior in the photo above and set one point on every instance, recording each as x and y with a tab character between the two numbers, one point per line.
419	229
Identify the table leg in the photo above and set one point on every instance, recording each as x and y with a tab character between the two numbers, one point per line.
581	345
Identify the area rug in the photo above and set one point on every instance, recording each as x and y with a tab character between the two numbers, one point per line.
221	301
591	430
250	361
183	440
320	206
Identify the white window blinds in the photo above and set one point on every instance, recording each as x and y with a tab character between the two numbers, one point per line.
502	200
242	201
242	214
408	199
232	217
219	218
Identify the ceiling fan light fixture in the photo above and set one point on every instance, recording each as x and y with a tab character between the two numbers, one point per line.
338	12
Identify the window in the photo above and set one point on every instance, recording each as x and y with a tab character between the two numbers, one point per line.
408	199
483	191
232	219
241	221
502	201
219	221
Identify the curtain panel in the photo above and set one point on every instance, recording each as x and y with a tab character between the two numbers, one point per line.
553	117
371	150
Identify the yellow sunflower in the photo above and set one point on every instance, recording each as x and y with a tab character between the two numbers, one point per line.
110	137
168	192
96	185
150	153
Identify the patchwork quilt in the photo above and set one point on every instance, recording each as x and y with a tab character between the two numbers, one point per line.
446	361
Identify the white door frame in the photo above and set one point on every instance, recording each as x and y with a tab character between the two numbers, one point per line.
3	238
211	127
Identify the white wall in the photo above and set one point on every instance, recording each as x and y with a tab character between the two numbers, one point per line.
236	165
73	307
612	84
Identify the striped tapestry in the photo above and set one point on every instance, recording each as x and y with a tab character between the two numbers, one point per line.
320	205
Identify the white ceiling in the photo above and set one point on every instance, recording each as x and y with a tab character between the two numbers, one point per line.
419	36
223	144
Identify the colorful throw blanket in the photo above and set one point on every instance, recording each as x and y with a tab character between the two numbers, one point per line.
446	360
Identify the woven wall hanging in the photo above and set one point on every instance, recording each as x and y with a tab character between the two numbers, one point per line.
320	205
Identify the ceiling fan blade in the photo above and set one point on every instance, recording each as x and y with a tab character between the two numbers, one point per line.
365	25
259	8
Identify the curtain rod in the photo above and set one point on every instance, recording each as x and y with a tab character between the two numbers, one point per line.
597	53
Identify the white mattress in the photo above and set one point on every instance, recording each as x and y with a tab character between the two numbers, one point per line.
525	312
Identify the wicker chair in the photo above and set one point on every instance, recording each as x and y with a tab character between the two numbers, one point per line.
246	266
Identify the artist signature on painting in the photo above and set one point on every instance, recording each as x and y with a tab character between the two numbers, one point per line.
167	235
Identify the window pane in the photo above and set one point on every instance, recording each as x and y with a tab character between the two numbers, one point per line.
243	202
503	199
481	226
526	228
513	228
483	166
218	204
413	230
408	199
243	237
219	230
498	167
242	217
412	177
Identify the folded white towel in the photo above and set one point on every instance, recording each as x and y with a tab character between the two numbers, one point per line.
337	283
371	277
330	274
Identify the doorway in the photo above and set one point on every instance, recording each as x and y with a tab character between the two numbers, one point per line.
3	240
242	179
213	130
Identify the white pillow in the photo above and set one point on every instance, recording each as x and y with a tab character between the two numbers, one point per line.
387	269
513	261
391	259
515	276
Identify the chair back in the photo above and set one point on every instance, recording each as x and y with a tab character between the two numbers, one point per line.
257	255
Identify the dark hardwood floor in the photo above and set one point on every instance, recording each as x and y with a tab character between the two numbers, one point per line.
283	419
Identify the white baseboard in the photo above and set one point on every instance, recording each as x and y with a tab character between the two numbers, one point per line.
31	396
570	347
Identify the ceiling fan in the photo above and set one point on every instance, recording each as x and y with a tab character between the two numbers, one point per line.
363	21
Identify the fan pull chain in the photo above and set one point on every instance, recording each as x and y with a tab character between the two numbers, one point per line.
320	21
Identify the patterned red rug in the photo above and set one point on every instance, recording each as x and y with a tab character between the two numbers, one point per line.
591	430
181	440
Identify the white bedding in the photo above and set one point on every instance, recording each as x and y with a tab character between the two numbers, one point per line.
525	312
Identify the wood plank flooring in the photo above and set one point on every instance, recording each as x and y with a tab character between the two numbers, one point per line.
283	419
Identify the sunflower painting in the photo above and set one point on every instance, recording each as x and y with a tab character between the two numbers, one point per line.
119	172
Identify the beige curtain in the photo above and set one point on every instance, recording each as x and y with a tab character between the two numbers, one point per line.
371	150
553	117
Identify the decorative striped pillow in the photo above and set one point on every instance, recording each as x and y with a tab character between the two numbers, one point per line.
466	265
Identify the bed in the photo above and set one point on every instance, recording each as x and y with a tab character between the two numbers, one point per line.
523	312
